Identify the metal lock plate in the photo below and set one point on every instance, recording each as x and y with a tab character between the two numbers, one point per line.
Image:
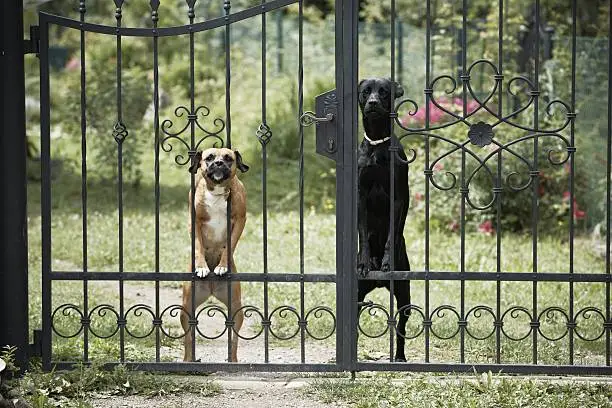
327	131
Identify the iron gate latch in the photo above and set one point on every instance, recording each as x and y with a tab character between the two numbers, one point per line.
326	111
32	46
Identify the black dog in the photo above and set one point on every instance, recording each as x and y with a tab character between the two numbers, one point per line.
375	101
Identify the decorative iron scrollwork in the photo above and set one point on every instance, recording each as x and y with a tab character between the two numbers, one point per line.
193	123
264	134
482	133
78	322
120	132
552	323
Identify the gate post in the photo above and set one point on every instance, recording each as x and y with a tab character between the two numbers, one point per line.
347	16
13	258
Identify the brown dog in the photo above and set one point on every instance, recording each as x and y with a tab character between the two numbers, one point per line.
215	181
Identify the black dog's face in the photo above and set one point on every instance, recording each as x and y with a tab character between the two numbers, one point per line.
375	96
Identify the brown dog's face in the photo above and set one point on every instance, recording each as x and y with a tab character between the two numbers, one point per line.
218	165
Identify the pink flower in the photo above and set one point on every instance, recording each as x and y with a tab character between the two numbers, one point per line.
578	213
418	196
486	227
453	226
438	166
73	64
472	106
435	115
566	196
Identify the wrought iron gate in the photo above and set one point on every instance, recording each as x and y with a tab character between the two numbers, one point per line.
186	139
337	139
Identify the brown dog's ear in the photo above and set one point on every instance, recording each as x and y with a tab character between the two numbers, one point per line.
239	164
195	163
399	90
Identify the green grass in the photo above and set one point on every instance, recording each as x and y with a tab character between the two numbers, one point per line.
462	392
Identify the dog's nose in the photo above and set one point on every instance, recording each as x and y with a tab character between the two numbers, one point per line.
373	102
218	163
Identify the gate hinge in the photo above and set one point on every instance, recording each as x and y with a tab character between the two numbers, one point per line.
36	347
32	46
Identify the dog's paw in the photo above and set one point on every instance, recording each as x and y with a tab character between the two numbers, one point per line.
202	271
220	270
385	267
363	270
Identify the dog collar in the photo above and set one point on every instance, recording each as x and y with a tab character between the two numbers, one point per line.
376	142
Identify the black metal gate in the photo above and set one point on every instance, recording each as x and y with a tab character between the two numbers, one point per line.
191	137
337	126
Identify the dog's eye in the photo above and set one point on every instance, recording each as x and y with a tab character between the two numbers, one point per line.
228	158
382	91
210	157
367	91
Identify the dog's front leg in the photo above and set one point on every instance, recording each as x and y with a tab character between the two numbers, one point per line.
201	267
363	256
237	228
399	217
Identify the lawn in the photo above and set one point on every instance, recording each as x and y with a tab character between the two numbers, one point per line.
477	391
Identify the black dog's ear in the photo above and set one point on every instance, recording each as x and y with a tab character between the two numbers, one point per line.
399	90
195	163
360	84
239	164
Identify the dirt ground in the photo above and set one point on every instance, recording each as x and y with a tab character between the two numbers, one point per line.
252	393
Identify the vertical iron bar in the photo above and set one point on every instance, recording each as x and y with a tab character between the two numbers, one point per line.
121	322
347	49
571	188
498	227
82	11
609	182
264	181
536	184
400	51
193	321
228	120
464	192
14	325
45	202
301	165
154	19
392	151
427	171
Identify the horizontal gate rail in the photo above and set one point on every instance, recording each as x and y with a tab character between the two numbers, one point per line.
185	276
198	367
410	367
490	276
374	275
166	31
480	368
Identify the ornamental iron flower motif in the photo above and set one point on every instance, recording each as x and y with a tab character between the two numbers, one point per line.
264	134
120	132
481	134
